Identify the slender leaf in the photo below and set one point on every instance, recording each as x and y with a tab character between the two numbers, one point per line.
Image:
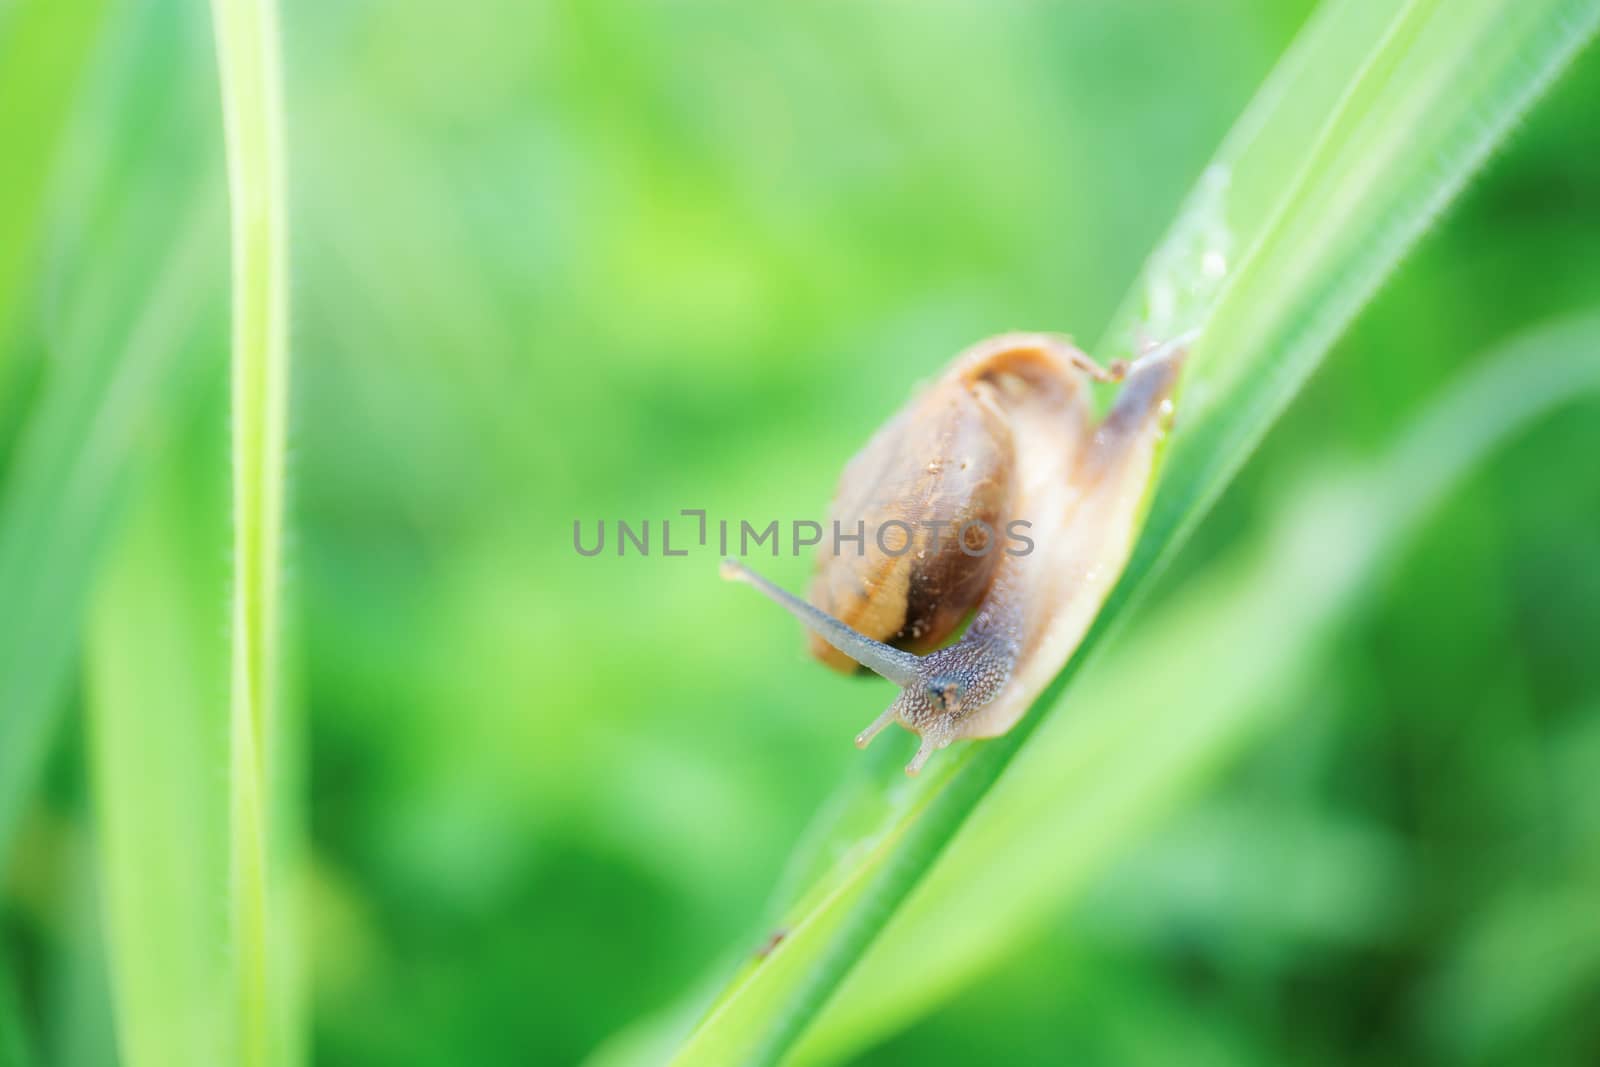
123	339
158	734
44	48
76	999
59	505
252	106
15	1049
1443	85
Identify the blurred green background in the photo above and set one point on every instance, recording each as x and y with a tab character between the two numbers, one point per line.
599	260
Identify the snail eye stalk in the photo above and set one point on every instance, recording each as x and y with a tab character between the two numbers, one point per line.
921	689
897	666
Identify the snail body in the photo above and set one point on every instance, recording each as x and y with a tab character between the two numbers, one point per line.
1004	440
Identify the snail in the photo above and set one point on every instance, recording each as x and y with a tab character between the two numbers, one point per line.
1004	440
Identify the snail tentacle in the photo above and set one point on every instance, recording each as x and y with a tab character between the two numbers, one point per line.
881	723
938	690
897	666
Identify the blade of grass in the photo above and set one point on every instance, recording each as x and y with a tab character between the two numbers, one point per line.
59	503
44	49
1231	648
252	107
1442	88
122	327
121	336
76	1001
1545	930
1425	93
15	1051
157	737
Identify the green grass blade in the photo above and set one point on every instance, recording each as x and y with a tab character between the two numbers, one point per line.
1422	95
44	49
123	338
157	736
59	504
76	1001
1230	648
15	1049
1545	931
252	106
1442	88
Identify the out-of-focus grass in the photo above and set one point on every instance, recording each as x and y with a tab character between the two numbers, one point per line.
44	50
120	338
158	736
611	259
14	1044
1545	931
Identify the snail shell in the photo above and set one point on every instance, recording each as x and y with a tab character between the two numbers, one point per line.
942	466
1006	435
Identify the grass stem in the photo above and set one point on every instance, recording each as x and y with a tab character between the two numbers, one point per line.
247	53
